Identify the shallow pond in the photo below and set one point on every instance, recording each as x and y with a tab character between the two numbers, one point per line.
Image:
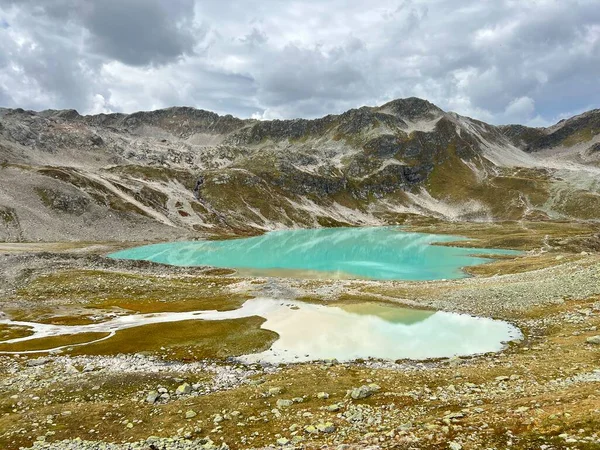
384	253
347	332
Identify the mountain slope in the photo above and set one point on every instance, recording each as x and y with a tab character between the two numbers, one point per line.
183	172
575	139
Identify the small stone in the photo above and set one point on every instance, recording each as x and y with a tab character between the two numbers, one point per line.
37	362
190	414
183	389
281	403
593	340
152	397
323	395
311	429
326	427
283	441
454	446
275	390
333	408
363	391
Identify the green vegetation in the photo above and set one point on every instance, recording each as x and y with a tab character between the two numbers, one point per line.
8	332
519	235
50	298
51	342
580	136
188	340
8	215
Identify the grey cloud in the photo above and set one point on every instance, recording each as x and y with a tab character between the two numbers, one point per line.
140	32
301	74
136	32
498	61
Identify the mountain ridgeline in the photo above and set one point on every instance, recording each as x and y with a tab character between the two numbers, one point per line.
182	172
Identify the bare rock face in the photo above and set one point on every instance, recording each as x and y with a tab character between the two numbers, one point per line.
131	177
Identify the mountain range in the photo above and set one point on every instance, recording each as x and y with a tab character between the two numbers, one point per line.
182	172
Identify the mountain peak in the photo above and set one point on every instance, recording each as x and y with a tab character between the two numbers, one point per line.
411	108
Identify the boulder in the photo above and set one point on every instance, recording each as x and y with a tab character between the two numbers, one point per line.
282	403
593	340
183	389
363	391
152	397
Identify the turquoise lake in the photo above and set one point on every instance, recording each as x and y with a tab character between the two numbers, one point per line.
384	253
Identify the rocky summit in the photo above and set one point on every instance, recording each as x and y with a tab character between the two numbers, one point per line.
183	172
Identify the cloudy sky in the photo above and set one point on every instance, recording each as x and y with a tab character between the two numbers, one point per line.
502	61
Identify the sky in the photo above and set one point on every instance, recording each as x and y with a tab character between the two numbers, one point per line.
501	61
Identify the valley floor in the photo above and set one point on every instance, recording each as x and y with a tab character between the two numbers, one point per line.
179	388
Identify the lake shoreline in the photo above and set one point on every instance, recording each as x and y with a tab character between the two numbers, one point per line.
552	296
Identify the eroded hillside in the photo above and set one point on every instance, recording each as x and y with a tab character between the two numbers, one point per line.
182	172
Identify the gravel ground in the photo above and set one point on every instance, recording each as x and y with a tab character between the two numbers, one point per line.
540	393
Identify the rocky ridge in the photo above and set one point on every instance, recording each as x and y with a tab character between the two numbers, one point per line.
182	172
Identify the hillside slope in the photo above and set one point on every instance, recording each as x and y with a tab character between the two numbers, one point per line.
182	172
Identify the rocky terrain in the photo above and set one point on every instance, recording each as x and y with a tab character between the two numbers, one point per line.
539	393
75	188
184	173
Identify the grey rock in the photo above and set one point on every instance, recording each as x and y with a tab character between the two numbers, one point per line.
152	397
283	403
593	340
363	391
183	389
37	362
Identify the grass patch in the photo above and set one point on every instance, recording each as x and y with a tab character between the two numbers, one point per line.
188	340
584	135
140	293
510	235
8	332
518	265
51	342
